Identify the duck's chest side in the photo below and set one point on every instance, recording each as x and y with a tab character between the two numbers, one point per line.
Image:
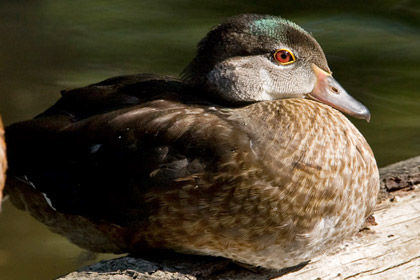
322	171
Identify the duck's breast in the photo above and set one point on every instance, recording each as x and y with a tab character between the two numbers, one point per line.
321	172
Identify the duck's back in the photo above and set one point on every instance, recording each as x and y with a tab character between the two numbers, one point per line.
278	180
86	148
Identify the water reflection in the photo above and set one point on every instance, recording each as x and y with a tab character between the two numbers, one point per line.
50	45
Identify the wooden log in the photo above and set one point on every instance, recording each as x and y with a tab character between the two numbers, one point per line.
388	250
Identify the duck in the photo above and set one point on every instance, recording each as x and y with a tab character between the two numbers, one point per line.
3	161
246	156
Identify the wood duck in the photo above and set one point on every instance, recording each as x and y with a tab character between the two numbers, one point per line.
3	162
246	156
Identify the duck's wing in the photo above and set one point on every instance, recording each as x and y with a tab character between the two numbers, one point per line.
105	163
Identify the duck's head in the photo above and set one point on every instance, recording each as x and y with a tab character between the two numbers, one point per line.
252	58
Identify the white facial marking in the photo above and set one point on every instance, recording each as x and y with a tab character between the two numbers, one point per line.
267	85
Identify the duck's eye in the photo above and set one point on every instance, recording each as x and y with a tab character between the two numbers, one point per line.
284	57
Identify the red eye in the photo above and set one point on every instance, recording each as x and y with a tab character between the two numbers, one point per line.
284	56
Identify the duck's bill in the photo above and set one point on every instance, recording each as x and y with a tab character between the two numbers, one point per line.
327	90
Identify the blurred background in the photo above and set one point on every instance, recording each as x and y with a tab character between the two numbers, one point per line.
373	48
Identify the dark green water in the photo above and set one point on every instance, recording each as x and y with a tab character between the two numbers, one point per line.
373	47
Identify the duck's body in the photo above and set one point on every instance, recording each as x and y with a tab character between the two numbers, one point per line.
151	162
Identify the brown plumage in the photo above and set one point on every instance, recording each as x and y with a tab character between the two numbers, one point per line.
147	161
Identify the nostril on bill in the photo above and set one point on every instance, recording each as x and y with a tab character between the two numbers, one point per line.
334	90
